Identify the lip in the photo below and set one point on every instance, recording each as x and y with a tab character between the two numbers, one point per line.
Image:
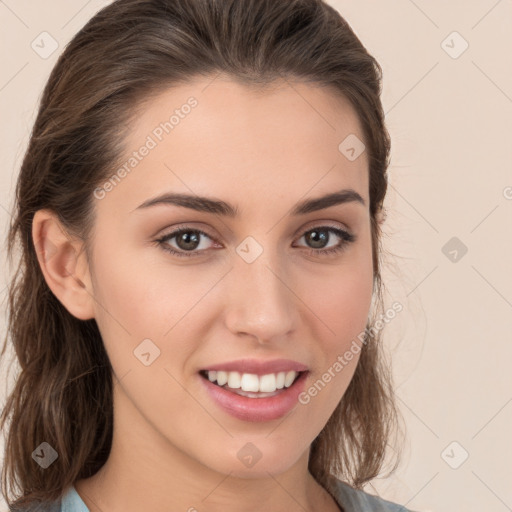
256	409
259	367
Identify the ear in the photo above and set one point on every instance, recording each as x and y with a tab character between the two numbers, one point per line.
63	264
381	215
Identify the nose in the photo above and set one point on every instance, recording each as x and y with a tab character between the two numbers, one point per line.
261	302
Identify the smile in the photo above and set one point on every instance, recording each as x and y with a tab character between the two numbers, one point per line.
250	384
238	396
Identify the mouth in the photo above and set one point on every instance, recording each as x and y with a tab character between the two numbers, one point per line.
252	385
235	393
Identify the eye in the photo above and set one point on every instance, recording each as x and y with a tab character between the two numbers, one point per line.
320	235
188	240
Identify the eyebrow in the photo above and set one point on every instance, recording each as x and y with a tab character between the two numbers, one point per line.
219	207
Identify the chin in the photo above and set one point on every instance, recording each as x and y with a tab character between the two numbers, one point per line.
267	460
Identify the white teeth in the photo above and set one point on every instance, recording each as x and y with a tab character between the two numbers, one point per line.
250	382
290	377
222	377
267	383
234	380
280	380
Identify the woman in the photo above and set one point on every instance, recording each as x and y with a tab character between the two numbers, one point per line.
199	213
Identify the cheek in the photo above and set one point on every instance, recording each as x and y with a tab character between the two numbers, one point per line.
340	302
342	298
135	293
342	309
137	301
345	306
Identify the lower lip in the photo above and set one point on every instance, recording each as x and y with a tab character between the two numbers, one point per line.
256	409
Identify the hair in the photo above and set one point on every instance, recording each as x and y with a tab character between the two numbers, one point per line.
126	54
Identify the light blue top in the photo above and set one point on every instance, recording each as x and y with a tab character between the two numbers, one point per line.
71	502
352	500
348	498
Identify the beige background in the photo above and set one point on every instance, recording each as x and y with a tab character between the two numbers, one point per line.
450	118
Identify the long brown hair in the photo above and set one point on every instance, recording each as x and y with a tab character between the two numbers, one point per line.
127	53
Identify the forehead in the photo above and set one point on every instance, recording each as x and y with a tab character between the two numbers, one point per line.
219	137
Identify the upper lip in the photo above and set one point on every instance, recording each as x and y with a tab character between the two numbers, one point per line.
259	367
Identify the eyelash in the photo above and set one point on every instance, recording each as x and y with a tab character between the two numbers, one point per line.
346	239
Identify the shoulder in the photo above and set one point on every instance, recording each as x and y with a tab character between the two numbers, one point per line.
53	506
70	501
358	500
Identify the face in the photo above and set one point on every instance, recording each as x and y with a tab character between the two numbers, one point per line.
263	283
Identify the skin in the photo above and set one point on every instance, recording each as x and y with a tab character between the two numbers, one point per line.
264	151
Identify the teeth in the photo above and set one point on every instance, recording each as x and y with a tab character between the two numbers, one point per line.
234	380
222	377
267	383
250	382
288	380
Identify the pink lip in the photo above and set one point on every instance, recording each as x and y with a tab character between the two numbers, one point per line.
259	367
256	409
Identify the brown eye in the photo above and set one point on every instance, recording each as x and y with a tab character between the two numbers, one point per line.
187	241
318	238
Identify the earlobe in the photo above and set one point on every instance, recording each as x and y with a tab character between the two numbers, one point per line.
63	264
381	215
